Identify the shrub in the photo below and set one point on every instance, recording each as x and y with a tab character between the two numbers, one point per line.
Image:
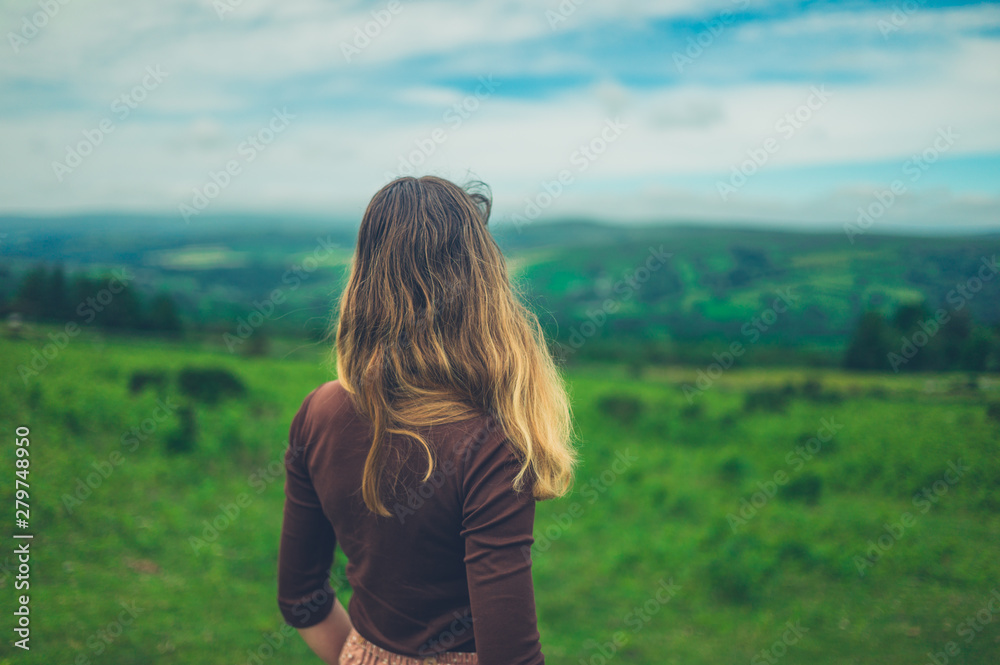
794	550
732	470
623	408
209	385
729	419
812	389
739	569
683	506
183	438
825	447
806	488
71	418
35	396
257	345
658	496
768	399
693	411
142	378
878	392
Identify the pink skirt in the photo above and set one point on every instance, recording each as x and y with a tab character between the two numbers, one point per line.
359	651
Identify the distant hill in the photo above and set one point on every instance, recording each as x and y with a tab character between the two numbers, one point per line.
599	282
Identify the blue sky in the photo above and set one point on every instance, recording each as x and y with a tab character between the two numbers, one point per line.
692	91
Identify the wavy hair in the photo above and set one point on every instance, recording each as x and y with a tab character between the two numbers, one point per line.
431	331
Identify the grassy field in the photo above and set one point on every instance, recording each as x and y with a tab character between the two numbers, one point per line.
779	515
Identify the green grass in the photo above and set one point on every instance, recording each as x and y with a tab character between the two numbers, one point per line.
651	503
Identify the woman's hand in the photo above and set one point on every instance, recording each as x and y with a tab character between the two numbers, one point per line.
327	638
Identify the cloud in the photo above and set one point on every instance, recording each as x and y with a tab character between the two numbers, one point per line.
555	88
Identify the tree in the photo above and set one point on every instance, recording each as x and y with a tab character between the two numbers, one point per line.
123	312
57	305
31	294
909	315
163	315
870	344
955	335
979	350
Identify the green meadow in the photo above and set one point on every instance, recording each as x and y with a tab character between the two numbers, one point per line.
772	515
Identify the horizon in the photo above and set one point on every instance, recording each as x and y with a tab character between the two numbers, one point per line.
221	221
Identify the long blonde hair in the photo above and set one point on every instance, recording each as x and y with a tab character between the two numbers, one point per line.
431	331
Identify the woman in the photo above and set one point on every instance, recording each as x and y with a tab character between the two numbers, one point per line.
424	460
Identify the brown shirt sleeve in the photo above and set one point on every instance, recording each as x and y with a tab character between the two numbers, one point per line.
307	539
497	527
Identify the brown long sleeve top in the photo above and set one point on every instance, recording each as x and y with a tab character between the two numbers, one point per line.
450	570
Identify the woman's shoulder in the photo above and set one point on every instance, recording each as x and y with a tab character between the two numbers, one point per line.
327	400
329	391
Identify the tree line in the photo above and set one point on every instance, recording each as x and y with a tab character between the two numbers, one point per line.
913	337
50	295
917	338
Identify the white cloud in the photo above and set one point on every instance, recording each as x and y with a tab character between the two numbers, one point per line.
355	121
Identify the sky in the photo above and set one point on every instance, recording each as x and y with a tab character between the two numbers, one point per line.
779	113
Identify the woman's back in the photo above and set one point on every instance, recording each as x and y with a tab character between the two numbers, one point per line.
402	460
454	547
